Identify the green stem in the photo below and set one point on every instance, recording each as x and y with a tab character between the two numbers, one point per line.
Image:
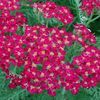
63	93
92	20
71	24
15	69
46	23
78	10
16	94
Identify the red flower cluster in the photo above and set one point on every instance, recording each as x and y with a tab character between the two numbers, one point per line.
40	51
85	36
69	78
9	5
39	46
88	67
51	10
90	5
10	23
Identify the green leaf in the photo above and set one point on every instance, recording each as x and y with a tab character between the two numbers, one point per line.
15	69
82	95
72	51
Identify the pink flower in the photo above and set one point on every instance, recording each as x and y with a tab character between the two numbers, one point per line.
9	5
51	10
89	5
85	36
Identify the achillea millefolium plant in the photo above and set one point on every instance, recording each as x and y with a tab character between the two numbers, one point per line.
49	50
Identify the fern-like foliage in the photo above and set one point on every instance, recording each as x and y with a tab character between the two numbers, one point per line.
10	94
34	17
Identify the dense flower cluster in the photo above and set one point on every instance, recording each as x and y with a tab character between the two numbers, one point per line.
40	51
88	67
9	5
51	10
10	23
39	46
90	5
85	36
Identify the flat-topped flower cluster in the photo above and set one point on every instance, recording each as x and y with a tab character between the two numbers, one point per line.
89	5
51	10
10	5
40	51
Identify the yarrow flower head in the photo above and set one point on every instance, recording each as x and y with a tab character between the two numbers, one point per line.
85	36
88	67
10	5
10	23
90	5
40	51
51	10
